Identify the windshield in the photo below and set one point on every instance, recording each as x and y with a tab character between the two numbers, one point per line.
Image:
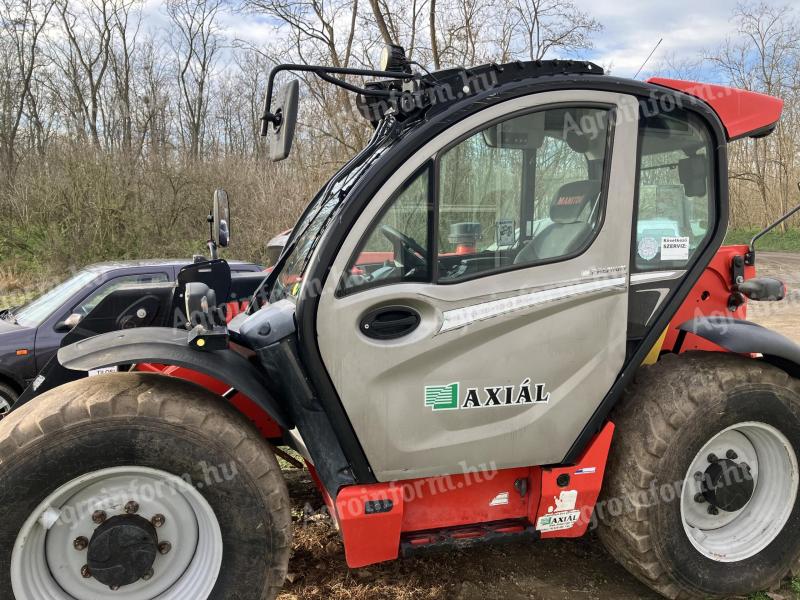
36	312
314	224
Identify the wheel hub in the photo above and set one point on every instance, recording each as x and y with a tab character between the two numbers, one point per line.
727	485
122	550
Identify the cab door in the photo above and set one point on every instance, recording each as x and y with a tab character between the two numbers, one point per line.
476	314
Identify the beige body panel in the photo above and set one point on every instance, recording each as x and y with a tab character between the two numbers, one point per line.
562	325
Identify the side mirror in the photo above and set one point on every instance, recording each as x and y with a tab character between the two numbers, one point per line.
69	323
222	219
281	131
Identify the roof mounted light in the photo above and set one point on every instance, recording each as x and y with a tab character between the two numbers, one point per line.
393	58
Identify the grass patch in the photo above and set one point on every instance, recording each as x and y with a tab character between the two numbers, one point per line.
795	585
776	241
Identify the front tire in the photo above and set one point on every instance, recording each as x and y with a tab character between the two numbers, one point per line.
701	494
174	492
7	398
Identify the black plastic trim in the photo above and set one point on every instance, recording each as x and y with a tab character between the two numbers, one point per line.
746	337
169	346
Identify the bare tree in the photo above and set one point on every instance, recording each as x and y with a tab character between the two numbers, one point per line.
196	47
22	24
547	26
437	62
84	58
764	56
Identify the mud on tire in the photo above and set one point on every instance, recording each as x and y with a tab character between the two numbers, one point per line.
156	422
674	408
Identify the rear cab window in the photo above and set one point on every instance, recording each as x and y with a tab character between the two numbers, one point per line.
675	201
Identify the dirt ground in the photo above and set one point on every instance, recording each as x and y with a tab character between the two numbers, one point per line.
546	570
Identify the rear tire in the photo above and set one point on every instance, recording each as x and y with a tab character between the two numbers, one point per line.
655	514
153	430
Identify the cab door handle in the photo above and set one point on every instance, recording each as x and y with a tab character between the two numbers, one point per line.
389	322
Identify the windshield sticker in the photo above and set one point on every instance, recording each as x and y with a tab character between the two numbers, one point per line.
448	397
648	248
562	515
674	248
505	232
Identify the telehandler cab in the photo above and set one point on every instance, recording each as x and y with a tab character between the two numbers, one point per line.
509	316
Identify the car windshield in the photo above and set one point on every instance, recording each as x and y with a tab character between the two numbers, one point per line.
34	313
314	224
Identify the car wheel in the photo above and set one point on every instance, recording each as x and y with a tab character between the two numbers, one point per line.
7	398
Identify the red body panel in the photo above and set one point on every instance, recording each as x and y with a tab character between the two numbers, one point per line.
268	428
374	538
742	112
582	491
454	500
485	497
709	298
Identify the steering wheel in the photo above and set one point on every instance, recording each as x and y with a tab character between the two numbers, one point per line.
409	243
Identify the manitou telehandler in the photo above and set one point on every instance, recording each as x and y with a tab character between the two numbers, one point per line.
479	329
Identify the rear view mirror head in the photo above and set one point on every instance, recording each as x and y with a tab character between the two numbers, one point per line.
69	323
281	130
693	173
222	219
522	133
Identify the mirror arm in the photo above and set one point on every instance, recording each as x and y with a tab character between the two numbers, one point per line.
325	73
750	258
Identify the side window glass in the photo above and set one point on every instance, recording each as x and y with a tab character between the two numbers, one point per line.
397	248
85	307
675	204
522	192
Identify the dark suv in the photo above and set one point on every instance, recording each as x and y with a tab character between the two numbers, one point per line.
31	334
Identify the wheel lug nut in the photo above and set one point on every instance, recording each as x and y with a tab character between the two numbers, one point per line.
164	548
147	576
699	498
86	573
80	543
731	455
713	510
132	507
158	521
99	516
712	458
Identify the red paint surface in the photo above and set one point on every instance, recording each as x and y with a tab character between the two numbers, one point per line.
742	112
268	428
437	503
587	485
709	298
374	538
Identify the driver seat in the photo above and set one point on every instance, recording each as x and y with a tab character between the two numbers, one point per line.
571	212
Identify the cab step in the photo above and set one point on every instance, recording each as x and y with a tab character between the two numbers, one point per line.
467	535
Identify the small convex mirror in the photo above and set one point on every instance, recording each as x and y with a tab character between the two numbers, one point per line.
281	130
222	219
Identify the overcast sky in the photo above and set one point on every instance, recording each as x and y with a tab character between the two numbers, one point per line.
634	27
631	30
